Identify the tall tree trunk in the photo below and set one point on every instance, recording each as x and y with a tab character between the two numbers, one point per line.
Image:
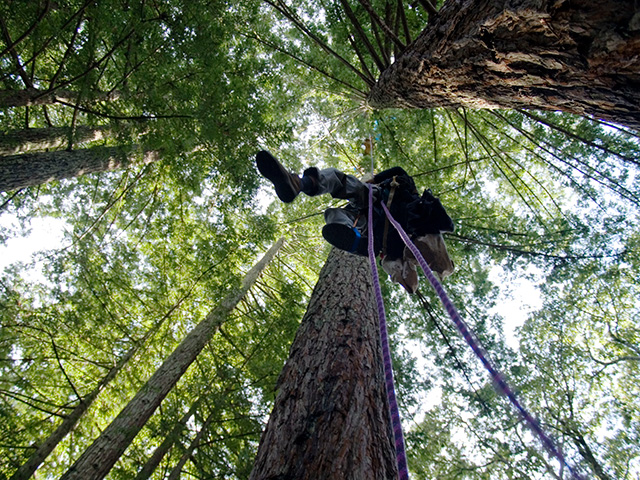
29	169
159	453
32	97
104	452
176	471
331	416
38	139
47	446
578	56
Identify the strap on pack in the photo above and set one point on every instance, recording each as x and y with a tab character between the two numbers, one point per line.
394	184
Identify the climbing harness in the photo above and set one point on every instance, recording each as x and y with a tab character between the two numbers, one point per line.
465	331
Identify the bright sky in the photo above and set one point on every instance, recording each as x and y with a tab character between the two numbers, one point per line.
518	297
46	234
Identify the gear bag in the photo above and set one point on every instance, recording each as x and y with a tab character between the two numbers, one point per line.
427	215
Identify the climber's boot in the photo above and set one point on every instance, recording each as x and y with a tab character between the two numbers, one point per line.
345	238
287	184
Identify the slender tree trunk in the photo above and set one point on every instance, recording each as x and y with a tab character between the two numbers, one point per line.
176	472
32	97
28	468
104	452
45	448
578	56
29	169
331	416
38	139
166	444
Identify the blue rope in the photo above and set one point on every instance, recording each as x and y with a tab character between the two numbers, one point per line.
401	457
499	381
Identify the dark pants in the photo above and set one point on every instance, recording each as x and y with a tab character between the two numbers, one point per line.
340	185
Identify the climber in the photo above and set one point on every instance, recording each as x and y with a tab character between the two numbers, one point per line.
423	217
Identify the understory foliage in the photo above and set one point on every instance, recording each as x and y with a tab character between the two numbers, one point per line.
539	198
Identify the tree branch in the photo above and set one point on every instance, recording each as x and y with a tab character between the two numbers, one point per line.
19	66
299	24
620	189
520	251
304	62
68	51
575	136
12	45
428	6
363	36
387	30
403	19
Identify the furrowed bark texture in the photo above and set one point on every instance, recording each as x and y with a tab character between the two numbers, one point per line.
32	97
331	416
34	139
578	56
29	169
104	452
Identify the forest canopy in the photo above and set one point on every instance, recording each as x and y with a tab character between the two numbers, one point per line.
134	125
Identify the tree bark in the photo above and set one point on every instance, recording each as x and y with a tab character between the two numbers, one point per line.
331	416
578	56
29	169
38	139
104	452
31	97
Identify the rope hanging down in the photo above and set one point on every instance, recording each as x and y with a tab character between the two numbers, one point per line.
401	457
464	330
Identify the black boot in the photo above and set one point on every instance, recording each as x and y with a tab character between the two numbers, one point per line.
287	184
345	238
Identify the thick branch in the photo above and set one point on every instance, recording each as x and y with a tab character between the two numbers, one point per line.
299	24
362	35
11	45
387	30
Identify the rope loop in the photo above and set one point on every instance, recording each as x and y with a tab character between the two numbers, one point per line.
401	457
473	342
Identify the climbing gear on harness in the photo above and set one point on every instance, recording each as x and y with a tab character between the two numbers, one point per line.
434	251
287	185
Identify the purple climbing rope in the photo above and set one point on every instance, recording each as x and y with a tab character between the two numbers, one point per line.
474	343
401	457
